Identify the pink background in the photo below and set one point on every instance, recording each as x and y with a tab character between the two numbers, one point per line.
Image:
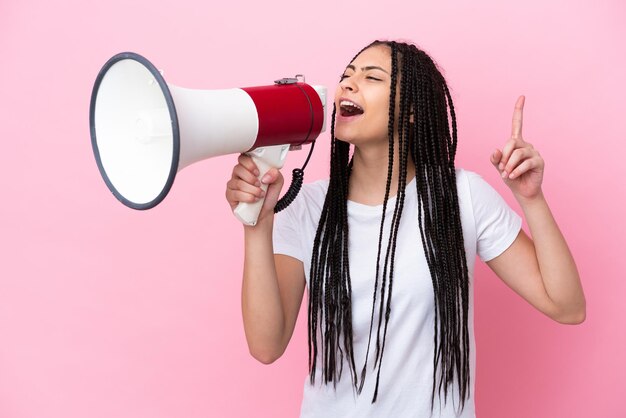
110	312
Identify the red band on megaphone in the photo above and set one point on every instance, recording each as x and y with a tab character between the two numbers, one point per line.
288	114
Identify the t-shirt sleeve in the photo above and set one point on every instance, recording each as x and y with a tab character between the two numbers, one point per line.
285	236
497	225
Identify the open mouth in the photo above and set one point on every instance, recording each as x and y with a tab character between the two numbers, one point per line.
348	108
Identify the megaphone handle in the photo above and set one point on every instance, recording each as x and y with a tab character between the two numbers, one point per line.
264	158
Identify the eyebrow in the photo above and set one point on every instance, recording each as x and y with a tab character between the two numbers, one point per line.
369	67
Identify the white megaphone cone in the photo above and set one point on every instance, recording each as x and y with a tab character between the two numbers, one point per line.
144	131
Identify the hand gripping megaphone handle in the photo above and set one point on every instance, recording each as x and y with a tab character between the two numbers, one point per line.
264	158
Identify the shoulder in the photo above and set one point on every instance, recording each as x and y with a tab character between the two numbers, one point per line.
473	184
478	197
310	199
313	193
464	180
298	222
464	175
316	188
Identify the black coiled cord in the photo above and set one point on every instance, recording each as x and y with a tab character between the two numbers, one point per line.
297	178
297	175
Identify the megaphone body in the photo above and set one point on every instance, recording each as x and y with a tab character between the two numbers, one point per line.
144	131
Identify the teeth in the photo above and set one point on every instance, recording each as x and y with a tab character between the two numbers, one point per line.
348	103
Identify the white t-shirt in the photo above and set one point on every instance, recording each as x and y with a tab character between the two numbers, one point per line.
489	227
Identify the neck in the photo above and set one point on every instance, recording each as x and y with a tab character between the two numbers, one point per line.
370	168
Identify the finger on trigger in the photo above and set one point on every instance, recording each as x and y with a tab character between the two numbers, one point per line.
244	174
237	185
247	161
246	197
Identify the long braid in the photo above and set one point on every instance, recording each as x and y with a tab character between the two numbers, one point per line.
450	270
388	186
427	139
390	136
403	151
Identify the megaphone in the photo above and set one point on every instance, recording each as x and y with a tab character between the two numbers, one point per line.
144	131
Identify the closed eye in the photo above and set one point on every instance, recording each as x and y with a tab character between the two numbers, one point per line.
344	76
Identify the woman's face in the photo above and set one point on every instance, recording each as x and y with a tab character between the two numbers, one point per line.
362	98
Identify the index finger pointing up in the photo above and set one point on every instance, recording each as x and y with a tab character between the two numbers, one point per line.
516	130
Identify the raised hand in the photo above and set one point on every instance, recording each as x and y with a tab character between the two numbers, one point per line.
519	163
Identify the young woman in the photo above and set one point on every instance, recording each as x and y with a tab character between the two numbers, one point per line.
393	330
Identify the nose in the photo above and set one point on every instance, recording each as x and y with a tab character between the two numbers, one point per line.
348	84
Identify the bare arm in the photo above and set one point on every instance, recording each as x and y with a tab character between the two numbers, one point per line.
556	264
271	294
273	285
542	270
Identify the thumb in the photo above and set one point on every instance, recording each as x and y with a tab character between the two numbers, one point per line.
274	180
495	157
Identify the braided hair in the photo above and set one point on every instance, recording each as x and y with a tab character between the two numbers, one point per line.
423	133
